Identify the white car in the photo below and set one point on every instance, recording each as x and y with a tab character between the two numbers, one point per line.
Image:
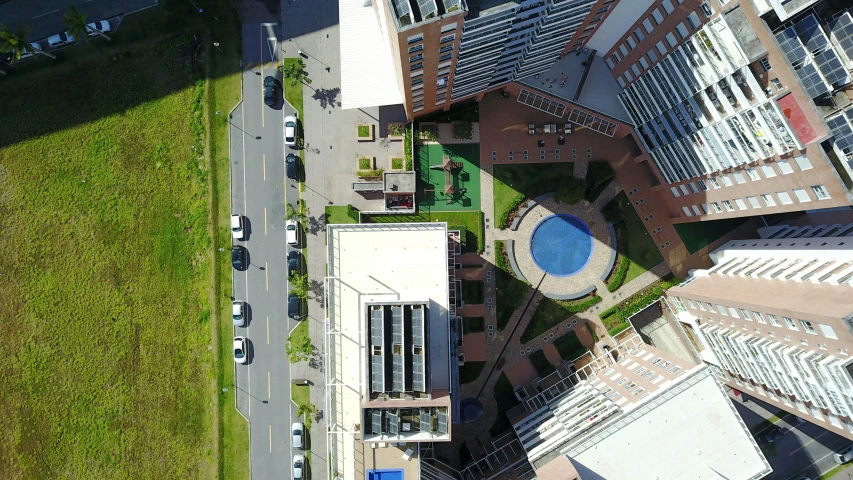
59	39
99	26
237	227
26	54
290	131
238	313
843	456
241	353
292	232
298	430
298	466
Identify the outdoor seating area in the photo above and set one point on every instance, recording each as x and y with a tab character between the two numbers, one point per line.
449	177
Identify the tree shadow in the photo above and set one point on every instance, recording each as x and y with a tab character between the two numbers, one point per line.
328	97
315	225
316	289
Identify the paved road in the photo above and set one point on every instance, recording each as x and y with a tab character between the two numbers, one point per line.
259	191
46	17
805	450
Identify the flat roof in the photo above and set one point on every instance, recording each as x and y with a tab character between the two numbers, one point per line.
368	74
403	182
692	428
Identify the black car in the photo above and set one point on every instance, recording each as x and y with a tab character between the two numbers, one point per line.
292	263
772	434
269	91
294	305
238	257
292	166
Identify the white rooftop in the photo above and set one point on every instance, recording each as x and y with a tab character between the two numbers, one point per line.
689	431
369	263
369	77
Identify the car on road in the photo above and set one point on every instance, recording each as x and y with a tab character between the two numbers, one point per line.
292	232
290	131
298	466
843	456
294	306
270	97
26	54
298	430
291	163
238	258
237	231
238	313
99	26
772	434
292	263
59	39
241	353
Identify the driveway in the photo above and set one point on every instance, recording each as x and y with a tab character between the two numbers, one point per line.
259	190
47	17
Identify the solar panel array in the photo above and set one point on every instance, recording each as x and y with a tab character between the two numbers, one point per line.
398	371
376	421
377	362
832	68
442	422
403	10
842	131
418	360
811	34
428	8
812	80
842	32
426	420
791	45
393	424
795	51
450	5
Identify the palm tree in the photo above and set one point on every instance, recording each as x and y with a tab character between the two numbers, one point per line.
15	42
295	71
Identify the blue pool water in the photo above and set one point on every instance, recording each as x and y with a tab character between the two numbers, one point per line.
385	474
561	245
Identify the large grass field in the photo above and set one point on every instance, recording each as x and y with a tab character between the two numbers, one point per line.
513	183
111	342
642	251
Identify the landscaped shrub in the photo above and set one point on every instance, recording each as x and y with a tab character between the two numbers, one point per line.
363	131
463	130
618	329
407	148
569	346
616	280
365	163
396	129
475	324
617	314
648	256
598	176
370	173
352	213
570	191
397	163
505	220
429	132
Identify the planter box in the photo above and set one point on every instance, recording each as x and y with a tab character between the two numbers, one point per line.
393	137
402	162
370	166
370	137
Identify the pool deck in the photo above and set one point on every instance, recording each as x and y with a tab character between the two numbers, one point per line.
590	275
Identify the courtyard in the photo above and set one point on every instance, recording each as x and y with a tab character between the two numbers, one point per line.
463	174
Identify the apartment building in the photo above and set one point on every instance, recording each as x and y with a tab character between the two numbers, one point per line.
443	51
774	318
731	111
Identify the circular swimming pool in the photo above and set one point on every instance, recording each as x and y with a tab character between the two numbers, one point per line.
561	245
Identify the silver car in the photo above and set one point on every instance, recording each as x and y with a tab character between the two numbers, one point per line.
238	313
298	466
298	432
241	352
290	131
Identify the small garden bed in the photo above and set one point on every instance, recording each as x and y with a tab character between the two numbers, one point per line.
472	292
396	163
615	318
428	132
623	263
365	163
569	346
551	313
463	130
370	174
473	324
541	364
364	132
396	131
470	371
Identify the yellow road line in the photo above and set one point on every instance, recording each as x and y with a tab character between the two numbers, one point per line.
267	274
261	47
270	438
268	330
810	441
265	221
269	388
265	167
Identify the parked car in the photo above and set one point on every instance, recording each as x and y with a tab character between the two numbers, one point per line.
298	464
238	313
290	131
292	232
238	258
60	39
26	54
294	306
292	164
298	430
237	231
270	97
772	434
843	456
99	26
292	263
241	353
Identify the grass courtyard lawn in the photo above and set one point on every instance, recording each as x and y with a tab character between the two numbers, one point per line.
569	346
472	292
506	400
337	215
301	394
515	182
474	324
541	364
472	221
639	240
468	177
293	93
108	278
698	235
470	371
512	290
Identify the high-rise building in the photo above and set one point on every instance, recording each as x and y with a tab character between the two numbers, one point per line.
774	318
737	112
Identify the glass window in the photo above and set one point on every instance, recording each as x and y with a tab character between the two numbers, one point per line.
686	211
670	39
802	195
789	323
752	174
807	326
726	180
784	198
657	16
803	162
827	331
773	320
753	202
648	25
702	185
739	178
661	48
722	310
740	204
820	192
714	182
768	171
758	318
784	167
652	56
728	205
639	34
667	6
768	200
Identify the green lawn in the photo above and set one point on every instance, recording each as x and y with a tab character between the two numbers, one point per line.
551	312
506	400
110	206
472	292
467	178
470	371
639	240
301	394
293	93
541	363
515	182
338	215
472	221
698	235
474	324
512	290
598	176
569	346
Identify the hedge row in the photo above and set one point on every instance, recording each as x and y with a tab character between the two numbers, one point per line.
577	307
638	301
617	279
618	329
513	206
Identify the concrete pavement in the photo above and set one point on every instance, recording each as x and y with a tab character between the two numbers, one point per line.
259	190
47	17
